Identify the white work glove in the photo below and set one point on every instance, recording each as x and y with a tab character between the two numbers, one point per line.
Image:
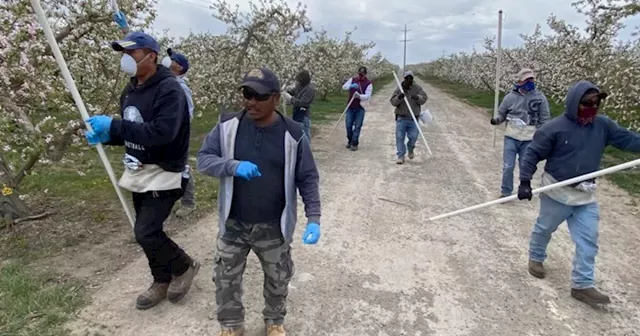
356	94
286	96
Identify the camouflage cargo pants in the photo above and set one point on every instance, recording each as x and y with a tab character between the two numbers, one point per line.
230	260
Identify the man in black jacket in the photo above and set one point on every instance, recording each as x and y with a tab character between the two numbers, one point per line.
155	129
301	97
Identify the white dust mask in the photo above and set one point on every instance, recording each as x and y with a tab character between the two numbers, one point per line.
128	65
166	62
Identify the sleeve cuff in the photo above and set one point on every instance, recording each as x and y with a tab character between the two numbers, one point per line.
114	128
313	219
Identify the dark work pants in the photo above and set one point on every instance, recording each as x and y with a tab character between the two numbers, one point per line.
165	257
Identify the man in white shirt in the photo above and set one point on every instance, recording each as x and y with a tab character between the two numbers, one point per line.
360	87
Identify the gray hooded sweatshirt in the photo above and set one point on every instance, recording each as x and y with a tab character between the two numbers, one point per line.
531	107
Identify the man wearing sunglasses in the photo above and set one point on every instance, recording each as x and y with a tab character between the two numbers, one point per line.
573	145
262	159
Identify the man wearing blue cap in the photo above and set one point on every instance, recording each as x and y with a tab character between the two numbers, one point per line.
262	159
155	130
178	64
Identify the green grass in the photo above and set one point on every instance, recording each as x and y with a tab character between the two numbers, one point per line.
628	180
35	304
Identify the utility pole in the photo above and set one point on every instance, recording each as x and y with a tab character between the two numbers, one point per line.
404	60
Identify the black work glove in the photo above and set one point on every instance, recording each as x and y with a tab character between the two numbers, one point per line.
415	97
495	121
524	190
401	96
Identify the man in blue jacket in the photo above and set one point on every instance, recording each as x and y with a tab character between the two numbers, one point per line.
262	158
179	65
573	145
155	132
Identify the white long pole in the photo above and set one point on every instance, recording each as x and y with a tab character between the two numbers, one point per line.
342	115
498	68
71	85
578	179
406	101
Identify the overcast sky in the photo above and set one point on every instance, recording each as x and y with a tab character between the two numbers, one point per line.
435	26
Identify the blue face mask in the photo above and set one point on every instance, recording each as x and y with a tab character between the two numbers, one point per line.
528	86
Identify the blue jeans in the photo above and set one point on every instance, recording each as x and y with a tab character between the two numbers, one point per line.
583	227
306	127
408	128
353	121
512	147
302	116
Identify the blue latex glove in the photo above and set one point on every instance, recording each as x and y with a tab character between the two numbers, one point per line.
354	86
311	234
121	20
94	138
100	123
247	170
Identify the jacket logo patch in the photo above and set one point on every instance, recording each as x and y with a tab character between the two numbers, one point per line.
534	110
132	114
255	73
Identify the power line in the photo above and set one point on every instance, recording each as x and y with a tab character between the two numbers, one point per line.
404	59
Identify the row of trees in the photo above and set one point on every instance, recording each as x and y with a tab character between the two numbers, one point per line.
560	59
39	122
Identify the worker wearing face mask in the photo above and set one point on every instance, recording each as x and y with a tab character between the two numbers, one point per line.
155	130
572	145
179	65
524	109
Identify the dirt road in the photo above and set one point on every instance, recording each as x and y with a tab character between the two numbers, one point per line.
381	269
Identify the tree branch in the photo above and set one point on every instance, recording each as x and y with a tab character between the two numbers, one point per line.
19	114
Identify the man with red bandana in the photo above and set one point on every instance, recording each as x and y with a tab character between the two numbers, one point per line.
573	145
361	88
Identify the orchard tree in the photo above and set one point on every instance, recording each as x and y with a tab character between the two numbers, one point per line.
568	55
38	118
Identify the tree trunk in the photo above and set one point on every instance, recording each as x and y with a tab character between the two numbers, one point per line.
12	208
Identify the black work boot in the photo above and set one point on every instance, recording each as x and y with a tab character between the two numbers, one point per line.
354	147
536	269
589	296
348	144
154	295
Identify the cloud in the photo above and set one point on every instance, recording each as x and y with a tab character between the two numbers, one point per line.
446	26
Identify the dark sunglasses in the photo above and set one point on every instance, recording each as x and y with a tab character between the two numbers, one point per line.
594	102
249	94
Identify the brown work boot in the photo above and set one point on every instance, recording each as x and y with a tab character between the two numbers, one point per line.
536	269
400	160
590	296
275	330
154	295
234	332
181	284
411	155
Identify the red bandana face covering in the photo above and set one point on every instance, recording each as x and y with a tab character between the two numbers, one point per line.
586	115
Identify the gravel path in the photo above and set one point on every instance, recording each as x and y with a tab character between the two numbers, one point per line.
381	269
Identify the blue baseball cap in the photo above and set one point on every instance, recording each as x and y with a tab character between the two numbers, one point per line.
136	40
262	80
180	59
